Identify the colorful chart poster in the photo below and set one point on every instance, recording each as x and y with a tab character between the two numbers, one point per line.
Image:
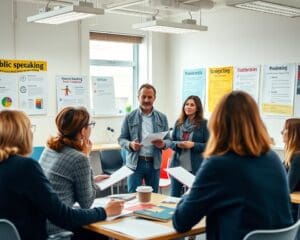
8	93
33	93
278	89
103	96
23	85
297	96
193	83
219	83
246	78
72	90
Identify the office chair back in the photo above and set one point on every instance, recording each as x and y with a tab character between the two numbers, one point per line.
111	160
8	230
288	233
164	179
37	152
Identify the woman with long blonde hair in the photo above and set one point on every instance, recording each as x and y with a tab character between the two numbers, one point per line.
241	185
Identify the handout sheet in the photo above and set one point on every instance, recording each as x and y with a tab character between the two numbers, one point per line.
153	136
117	176
182	175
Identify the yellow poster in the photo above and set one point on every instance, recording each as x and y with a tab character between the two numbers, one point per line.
10	66
219	83
278	109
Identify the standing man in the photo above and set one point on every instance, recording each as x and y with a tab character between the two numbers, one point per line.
144	160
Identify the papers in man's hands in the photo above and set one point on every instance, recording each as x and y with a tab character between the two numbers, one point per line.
117	176
153	136
181	175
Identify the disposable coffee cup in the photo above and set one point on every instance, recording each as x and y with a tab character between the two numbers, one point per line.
144	193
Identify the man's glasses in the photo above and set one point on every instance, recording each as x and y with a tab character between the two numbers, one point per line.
92	124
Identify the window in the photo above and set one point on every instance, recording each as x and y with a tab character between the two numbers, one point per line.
117	56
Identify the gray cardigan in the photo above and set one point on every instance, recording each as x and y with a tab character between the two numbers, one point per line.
71	176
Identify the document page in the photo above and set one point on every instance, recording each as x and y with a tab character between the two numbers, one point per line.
153	136
181	175
117	176
139	228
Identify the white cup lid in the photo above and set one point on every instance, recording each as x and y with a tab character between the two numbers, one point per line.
144	189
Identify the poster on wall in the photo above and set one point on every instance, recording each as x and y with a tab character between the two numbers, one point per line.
297	96
219	83
32	93
103	95
278	89
28	80
72	90
193	83
8	94
246	78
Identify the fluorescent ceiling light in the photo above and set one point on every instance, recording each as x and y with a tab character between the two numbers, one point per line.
268	7
66	14
169	27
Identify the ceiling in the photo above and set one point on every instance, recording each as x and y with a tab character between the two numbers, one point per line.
158	8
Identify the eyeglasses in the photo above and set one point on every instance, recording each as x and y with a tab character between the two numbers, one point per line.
32	128
92	124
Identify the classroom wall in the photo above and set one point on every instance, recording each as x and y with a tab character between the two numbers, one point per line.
65	48
234	37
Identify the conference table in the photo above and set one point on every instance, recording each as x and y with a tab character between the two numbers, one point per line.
156	199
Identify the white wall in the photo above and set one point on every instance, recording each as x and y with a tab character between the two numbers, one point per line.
234	37
66	49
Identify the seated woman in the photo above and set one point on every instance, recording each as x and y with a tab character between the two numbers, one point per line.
27	197
291	139
65	161
241	185
189	137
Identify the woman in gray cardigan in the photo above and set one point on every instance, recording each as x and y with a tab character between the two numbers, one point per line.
65	161
189	137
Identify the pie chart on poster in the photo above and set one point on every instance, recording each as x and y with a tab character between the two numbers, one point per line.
6	102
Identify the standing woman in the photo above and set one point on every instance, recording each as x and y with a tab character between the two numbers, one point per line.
189	137
65	161
241	185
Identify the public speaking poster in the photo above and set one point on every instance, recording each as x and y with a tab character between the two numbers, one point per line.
246	78
194	83
72	90
219	83
23	85
278	89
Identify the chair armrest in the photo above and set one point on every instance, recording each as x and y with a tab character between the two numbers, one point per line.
66	235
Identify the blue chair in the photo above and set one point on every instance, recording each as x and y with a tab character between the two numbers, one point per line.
288	233
37	152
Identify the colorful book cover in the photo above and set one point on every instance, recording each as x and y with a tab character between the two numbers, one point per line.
159	213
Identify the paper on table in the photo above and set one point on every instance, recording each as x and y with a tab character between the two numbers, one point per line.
117	176
139	228
153	136
181	175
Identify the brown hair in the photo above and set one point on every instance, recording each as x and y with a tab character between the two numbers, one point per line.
147	85
198	114
69	121
292	145
15	134
235	125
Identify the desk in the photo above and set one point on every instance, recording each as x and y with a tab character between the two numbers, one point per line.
155	199
295	197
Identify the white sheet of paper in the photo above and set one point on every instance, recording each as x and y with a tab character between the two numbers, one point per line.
153	136
181	175
139	228
117	176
